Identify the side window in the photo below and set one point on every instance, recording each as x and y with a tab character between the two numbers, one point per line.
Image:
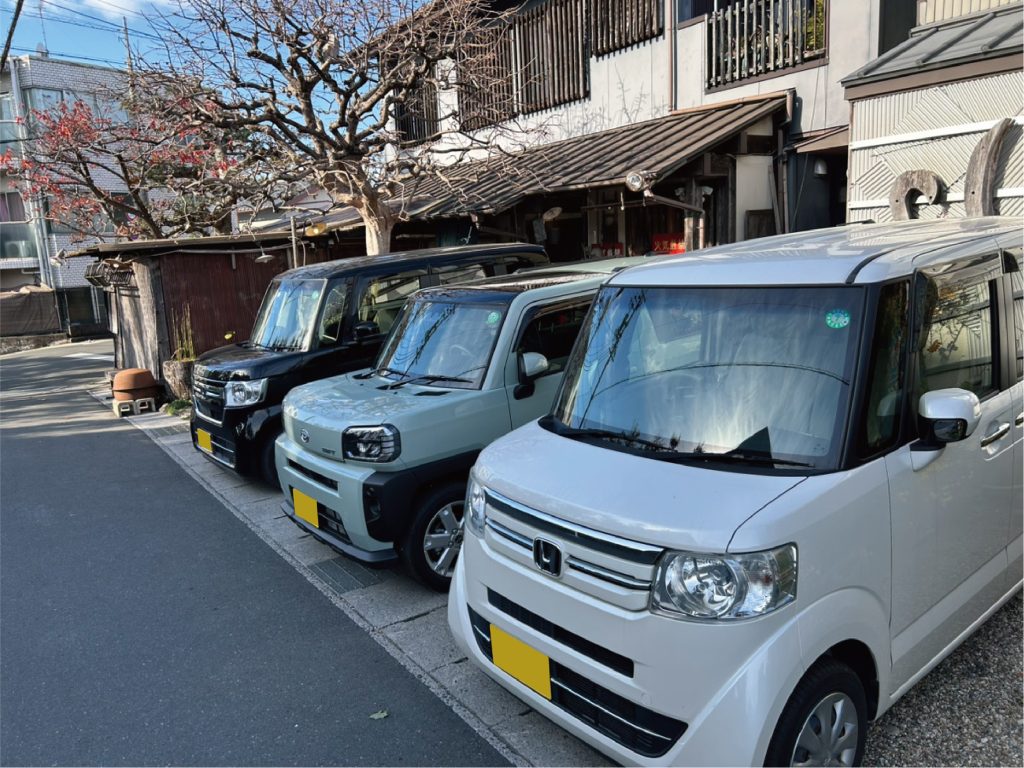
1017	290
552	332
957	338
382	297
881	425
459	273
334	315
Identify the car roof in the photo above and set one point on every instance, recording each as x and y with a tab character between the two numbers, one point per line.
506	287
352	264
852	254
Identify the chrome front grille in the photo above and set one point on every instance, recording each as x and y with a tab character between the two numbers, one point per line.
611	568
208	395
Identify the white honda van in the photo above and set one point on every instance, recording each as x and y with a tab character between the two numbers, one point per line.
780	482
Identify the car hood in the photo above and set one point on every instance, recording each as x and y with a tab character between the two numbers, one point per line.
316	414
243	362
669	505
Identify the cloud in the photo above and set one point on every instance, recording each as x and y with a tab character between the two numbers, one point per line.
115	9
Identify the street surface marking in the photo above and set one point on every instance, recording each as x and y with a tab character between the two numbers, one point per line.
90	356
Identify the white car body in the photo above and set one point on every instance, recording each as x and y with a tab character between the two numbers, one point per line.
900	557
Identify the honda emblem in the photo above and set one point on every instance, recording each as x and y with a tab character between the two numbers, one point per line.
547	556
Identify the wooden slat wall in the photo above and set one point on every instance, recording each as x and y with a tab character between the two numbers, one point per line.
552	55
417	119
490	98
940	10
748	38
618	24
221	299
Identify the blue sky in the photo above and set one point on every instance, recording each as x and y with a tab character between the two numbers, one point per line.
86	30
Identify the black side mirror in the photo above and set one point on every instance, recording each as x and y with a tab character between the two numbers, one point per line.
365	329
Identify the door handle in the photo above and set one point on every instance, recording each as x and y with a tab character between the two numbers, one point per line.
1019	420
1000	432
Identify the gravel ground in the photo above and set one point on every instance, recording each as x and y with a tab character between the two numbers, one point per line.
967	711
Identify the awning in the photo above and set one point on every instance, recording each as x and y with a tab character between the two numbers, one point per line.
962	40
660	147
830	140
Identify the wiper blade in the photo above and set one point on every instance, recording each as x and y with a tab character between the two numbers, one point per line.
732	457
429	379
609	434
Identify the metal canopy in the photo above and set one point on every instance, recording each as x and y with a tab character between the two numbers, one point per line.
934	46
659	147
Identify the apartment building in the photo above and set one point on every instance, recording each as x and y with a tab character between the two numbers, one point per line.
30	243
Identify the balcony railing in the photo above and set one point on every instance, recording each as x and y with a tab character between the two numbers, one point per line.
750	38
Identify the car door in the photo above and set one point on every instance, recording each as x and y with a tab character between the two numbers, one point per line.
950	516
332	351
550	329
1015	349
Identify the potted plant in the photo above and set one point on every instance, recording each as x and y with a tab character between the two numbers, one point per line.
178	370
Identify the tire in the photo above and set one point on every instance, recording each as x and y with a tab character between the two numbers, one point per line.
437	515
267	466
829	688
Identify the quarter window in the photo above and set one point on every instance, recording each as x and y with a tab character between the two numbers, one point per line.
956	347
885	378
334	315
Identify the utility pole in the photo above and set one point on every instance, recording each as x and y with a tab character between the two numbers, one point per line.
10	34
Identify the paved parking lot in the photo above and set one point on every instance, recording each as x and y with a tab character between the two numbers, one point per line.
968	711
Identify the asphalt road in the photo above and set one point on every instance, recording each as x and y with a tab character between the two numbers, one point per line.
140	625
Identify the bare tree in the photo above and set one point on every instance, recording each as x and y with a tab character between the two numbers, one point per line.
344	93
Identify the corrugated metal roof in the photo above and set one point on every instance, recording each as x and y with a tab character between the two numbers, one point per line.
934	46
658	146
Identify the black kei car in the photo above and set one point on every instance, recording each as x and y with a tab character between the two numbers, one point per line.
315	322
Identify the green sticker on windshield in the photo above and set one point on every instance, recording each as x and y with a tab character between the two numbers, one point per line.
837	318
493	318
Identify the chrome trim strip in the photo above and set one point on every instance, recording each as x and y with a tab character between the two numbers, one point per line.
480	632
516	538
648	552
204	417
621	719
1001	432
607	575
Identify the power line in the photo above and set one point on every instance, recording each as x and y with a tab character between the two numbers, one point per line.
121	8
111	25
69	56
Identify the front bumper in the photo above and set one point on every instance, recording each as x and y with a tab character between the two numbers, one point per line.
711	693
337	488
224	445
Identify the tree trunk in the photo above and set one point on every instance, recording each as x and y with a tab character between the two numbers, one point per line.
378	235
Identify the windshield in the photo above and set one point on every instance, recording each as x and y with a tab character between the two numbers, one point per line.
446	343
287	315
738	375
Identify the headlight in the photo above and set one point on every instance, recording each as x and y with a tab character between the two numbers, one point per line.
476	507
693	585
239	393
378	444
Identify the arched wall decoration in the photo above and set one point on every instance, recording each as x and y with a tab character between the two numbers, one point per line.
979	186
910	184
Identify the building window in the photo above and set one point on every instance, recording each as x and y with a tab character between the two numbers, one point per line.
692	9
487	88
618	24
749	38
12	207
416	117
552	53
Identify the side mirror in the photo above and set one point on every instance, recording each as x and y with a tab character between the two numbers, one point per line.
947	416
531	365
365	329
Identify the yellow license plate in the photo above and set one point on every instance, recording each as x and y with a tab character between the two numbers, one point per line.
203	440
305	507
530	667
